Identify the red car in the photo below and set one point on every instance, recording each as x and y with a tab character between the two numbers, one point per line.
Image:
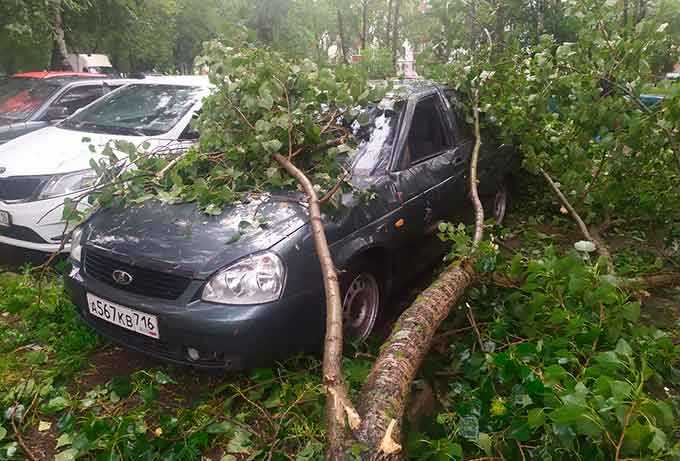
33	100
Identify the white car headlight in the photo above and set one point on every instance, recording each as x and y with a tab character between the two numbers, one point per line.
256	279
64	184
76	247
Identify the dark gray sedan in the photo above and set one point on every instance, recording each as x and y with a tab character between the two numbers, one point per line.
244	288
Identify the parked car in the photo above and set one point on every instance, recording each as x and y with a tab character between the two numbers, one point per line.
39	170
189	288
35	100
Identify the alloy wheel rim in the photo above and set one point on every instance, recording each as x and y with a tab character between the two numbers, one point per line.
360	306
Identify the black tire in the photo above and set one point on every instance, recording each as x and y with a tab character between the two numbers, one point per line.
363	293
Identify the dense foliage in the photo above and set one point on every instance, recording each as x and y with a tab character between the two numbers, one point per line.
562	369
263	104
577	110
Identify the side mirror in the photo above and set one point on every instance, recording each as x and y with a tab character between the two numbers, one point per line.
55	113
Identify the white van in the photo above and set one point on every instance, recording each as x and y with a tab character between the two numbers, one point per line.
92	64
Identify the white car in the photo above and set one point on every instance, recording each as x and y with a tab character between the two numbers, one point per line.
40	170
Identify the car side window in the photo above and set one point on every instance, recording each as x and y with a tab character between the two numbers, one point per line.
427	135
80	96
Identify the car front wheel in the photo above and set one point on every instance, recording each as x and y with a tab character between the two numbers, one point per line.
362	298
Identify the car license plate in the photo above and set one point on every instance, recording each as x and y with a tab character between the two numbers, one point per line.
124	317
5	219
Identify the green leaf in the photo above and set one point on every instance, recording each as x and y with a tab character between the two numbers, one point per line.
57	404
240	443
469	427
536	417
623	348
222	427
64	440
66	455
162	378
272	146
658	442
3	432
485	442
631	311
262	125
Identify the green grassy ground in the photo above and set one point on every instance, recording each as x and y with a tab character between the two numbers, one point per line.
555	343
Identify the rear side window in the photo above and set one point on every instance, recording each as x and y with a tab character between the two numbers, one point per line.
427	136
80	96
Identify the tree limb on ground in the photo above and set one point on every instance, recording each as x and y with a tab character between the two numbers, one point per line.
338	403
386	390
591	236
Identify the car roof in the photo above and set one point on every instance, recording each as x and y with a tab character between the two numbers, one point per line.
404	89
54	74
179	80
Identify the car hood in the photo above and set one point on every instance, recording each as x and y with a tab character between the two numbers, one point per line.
182	238
53	150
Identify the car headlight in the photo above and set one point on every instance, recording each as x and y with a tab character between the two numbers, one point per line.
256	279
76	247
64	184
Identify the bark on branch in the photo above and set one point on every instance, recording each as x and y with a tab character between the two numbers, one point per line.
601	247
338	404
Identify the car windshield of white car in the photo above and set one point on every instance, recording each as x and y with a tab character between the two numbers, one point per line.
20	97
137	110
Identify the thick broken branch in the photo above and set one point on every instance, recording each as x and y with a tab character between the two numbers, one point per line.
474	192
384	394
338	403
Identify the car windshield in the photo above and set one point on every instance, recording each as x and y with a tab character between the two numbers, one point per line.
20	97
137	110
376	128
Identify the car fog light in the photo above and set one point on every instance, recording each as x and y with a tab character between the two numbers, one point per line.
193	354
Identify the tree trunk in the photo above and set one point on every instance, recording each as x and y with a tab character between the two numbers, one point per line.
341	32
383	397
59	60
337	400
364	23
395	33
388	28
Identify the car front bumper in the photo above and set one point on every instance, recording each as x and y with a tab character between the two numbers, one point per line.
225	336
36	225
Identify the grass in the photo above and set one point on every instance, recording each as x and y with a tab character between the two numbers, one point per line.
80	397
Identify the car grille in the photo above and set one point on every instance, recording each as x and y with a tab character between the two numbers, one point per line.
20	187
147	282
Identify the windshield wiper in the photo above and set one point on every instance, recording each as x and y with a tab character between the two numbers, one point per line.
108	129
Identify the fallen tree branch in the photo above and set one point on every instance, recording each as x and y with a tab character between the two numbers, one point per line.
474	191
385	391
601	247
338	404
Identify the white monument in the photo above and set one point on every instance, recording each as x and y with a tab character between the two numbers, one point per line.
406	66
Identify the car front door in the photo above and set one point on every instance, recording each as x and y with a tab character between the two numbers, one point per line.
421	171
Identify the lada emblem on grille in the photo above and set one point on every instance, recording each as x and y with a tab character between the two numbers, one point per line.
2	169
121	277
